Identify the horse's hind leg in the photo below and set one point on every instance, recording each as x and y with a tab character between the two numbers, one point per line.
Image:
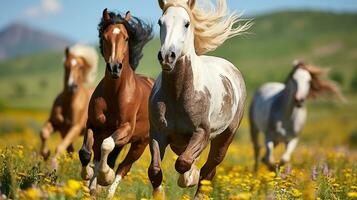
45	135
135	151
218	150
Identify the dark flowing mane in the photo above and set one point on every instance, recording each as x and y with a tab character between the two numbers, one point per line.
139	34
318	86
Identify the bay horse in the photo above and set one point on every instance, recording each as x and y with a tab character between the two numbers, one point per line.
279	111
118	109
69	111
196	99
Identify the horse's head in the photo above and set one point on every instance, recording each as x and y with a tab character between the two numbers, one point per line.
299	84
114	43
306	81
176	33
74	67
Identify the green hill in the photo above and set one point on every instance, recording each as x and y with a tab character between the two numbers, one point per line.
266	54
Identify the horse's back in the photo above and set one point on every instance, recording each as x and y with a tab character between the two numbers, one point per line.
227	91
262	103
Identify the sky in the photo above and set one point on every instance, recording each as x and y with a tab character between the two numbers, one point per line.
78	19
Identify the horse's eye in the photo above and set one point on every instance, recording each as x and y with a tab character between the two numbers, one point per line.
159	22
127	39
187	24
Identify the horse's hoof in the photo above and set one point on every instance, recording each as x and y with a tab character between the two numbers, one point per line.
54	163
189	178
271	166
45	154
106	177
87	173
159	193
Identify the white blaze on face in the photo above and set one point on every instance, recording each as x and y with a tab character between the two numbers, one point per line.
70	78
116	31
303	79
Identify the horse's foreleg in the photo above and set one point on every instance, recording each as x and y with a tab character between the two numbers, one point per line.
119	138
196	145
46	131
290	146
269	156
158	144
218	150
135	151
67	140
85	155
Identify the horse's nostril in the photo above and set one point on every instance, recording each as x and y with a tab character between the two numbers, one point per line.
173	55
159	56
120	66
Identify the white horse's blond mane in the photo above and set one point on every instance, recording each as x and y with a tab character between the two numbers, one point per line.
89	54
212	25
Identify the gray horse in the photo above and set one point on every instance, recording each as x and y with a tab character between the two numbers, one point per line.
279	111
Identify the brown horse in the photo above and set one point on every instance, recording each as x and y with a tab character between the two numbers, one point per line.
69	111
118	110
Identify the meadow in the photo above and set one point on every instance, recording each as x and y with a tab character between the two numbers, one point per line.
323	166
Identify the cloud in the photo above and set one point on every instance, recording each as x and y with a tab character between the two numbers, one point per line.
46	7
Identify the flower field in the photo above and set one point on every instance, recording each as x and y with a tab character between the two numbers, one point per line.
323	167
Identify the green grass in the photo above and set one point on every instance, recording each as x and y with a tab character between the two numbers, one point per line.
266	54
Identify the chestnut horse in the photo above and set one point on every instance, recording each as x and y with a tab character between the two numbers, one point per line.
69	111
118	110
197	99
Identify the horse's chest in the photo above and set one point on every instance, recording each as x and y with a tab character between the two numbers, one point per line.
104	115
182	118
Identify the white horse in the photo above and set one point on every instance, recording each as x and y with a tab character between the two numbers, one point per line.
278	110
196	99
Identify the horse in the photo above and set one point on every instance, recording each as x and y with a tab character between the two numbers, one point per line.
196	99
118	109
69	110
278	110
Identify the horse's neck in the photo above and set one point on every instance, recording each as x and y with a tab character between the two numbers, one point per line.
179	82
114	86
287	103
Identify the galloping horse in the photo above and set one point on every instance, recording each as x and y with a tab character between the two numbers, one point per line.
196	99
69	111
278	110
118	110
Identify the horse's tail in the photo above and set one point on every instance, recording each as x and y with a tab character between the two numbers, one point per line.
90	55
254	131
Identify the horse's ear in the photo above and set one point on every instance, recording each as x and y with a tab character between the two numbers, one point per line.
297	63
127	16
162	4
191	3
106	15
66	51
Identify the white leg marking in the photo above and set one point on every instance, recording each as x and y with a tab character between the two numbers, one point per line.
93	181
113	187
270	149
107	147
189	178
289	149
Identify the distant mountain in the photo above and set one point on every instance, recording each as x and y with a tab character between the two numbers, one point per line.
19	39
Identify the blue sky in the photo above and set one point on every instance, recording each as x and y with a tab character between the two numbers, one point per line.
78	19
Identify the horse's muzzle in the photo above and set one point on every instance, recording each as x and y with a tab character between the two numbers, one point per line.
73	88
114	69
299	102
